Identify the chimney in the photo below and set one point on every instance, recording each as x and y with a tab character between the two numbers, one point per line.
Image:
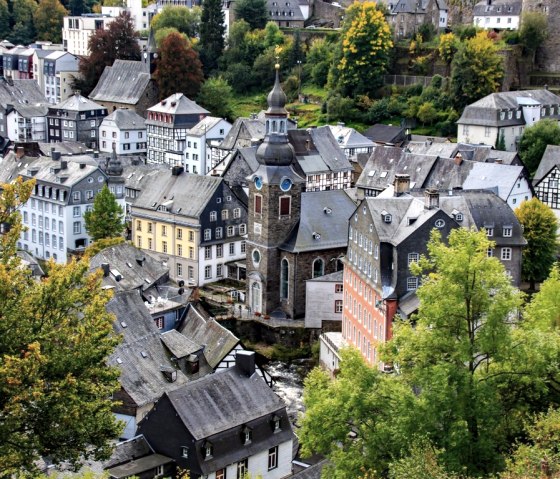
431	198
63	165
106	269
20	151
401	184
55	155
82	166
458	158
177	170
141	260
245	362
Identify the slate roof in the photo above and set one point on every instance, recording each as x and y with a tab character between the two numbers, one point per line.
324	213
64	147
125	119
124	82
21	92
550	159
223	400
178	344
312	472
11	166
335	277
385	133
349	138
31	111
138	269
139	176
72	174
189	192
127	450
217	340
486	111
284	10
204	126
498	8
141	354
135	467
77	102
242	132
178	104
483	153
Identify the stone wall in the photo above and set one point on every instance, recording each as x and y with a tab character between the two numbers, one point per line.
327	12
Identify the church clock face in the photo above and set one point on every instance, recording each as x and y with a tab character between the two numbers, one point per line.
145	55
258	182
286	184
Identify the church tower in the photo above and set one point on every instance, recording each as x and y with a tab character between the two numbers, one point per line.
149	55
274	211
115	180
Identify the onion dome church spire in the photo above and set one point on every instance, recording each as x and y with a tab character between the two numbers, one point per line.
114	166
275	150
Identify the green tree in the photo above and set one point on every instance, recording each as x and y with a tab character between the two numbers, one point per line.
119	41
544	308
501	142
535	140
212	31
539	229
427	113
4	19
476	70
447	48
77	7
48	18
23	31
533	32
254	12
160	35
185	20
363	52
55	338
216	96
179	69
105	220
318	61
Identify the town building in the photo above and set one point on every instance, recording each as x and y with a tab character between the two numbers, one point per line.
195	223
226	424
129	84
285	13
64	190
292	236
167	125
351	141
323	300
386	134
389	232
21	92
141	16
406	16
26	123
76	119
18	63
125	131
506	114
77	30
60	70
547	178
497	14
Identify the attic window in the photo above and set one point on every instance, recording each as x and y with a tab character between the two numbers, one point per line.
371	174
387	218
316	236
207	449
383	174
185	452
411	221
276	423
123	324
246	435
162	208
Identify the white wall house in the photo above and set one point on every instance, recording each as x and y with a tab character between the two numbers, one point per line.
76	31
323	297
124	129
141	17
27	123
329	351
497	14
60	69
199	141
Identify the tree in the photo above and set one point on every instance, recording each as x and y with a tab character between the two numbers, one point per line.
544	308
467	373
216	95
55	338
533	32
318	61
534	141
179	69
476	70
254	12
363	51
77	7
539	229
160	35
212	32
447	47
23	31
48	18
4	19
501	142
427	113
119	41
185	20
105	220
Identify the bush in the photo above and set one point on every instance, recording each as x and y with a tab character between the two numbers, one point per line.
240	77
291	87
464	32
427	31
342	108
511	37
378	111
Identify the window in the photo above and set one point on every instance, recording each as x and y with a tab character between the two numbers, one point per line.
507	231
489	231
489	252
191	252
179	233
411	284
243	246
506	254
230	230
413	258
184	452
76	196
208	450
163	230
221	474
213	215
247	435
338	288
138	225
219	232
149	227
237	213
219	250
164	246
191	236
285	205
487	131
225	214
207	234
219	270
150	243
338	306
208	252
159	322
242	468
77	228
231	249
284	270
273	458
258	204
207	272
318	267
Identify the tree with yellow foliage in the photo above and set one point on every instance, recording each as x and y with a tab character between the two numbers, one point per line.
476	70
363	52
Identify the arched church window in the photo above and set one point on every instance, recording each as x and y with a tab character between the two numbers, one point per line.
318	267
284	269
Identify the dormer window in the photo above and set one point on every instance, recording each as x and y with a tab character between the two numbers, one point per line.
507	231
246	435
386	217
207	449
276	423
